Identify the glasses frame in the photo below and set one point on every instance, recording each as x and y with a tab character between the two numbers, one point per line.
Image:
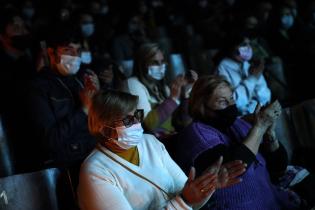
130	120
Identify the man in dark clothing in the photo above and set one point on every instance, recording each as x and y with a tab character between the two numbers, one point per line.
57	103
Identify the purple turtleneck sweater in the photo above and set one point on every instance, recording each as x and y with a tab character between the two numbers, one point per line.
255	192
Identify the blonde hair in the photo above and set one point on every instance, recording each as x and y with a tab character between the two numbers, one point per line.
108	106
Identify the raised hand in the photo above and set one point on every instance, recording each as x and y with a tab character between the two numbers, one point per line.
267	116
229	173
199	190
177	85
91	86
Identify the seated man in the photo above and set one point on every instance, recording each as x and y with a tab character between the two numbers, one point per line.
57	105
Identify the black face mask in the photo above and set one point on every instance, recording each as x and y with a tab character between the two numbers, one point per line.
21	42
224	118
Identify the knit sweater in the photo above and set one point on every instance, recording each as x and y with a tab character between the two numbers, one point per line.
255	192
106	185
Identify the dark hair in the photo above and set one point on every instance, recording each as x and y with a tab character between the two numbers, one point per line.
100	63
62	34
201	92
106	107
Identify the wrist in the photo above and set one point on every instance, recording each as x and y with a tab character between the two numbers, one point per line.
181	195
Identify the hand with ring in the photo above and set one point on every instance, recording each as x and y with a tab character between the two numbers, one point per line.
198	190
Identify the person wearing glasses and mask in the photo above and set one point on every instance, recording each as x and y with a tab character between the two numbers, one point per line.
58	101
132	170
156	98
216	131
245	75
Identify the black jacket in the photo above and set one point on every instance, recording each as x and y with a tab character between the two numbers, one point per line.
57	123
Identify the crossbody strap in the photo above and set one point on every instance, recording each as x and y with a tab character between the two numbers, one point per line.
137	174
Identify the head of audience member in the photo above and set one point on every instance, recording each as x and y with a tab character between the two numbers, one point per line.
14	34
28	9
108	72
239	48
212	102
136	27
149	63
263	11
150	68
64	51
98	8
87	26
114	120
292	4
251	26
284	18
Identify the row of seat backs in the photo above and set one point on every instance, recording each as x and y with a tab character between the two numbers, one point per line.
48	189
296	131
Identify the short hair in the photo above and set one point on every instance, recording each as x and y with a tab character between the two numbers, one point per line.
106	107
61	34
200	94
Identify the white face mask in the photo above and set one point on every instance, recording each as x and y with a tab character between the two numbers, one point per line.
71	64
86	57
129	137
157	72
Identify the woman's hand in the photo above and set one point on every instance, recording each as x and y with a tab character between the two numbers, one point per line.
107	75
177	85
271	142
198	191
257	68
229	173
267	116
191	77
91	81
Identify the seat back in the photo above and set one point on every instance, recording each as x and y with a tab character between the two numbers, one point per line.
41	190
6	160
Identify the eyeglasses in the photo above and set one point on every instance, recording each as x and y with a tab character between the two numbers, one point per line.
129	120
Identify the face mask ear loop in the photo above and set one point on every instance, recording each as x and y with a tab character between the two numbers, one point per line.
102	132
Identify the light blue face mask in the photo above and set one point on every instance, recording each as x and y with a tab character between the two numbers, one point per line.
86	57
287	21
87	29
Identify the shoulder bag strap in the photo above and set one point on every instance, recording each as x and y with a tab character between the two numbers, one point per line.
137	174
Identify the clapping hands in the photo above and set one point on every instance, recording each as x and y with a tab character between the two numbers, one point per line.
198	190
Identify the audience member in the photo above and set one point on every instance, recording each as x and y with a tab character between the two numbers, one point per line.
155	97
57	105
247	79
216	131
132	170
